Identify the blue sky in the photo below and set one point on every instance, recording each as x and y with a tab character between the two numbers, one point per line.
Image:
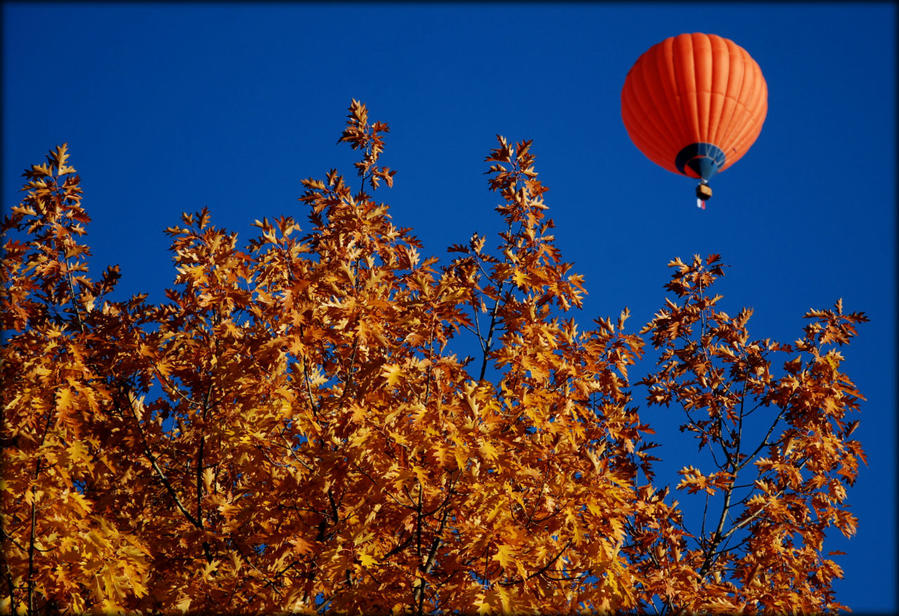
169	107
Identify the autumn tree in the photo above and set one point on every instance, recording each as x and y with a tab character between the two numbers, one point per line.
298	426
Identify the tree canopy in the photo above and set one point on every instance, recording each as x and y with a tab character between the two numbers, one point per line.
296	428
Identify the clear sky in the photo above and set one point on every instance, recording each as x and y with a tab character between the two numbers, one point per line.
170	107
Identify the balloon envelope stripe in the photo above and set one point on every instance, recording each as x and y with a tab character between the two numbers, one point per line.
718	93
702	61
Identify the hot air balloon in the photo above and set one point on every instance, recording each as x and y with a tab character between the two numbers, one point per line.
694	104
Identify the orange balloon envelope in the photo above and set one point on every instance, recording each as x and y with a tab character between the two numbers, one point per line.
694	104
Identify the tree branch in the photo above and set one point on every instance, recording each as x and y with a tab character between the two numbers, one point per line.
154	463
31	540
487	345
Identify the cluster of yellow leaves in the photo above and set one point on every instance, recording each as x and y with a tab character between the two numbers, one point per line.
763	547
294	429
59	546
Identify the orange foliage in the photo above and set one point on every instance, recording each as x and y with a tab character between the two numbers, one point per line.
293	429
